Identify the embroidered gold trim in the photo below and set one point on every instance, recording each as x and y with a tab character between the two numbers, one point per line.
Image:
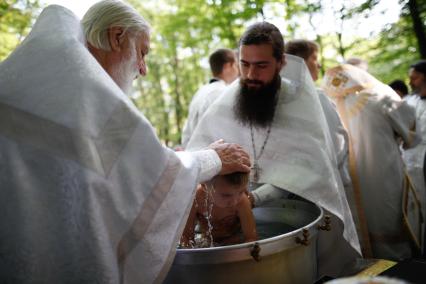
365	238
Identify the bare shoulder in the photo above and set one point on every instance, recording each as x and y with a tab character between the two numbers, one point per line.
244	203
200	192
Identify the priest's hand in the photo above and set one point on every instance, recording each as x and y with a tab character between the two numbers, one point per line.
233	157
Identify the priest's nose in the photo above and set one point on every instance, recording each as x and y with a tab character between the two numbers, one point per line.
143	69
252	72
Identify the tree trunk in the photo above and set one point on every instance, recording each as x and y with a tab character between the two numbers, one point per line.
418	27
164	128
321	54
340	47
178	105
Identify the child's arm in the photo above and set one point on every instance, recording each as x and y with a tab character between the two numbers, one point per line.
248	224
188	232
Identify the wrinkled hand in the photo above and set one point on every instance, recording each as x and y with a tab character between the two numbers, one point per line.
233	157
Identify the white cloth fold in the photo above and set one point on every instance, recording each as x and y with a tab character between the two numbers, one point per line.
201	101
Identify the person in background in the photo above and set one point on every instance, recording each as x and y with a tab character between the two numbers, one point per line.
422	90
89	193
224	68
416	75
223	211
415	158
375	116
399	87
308	50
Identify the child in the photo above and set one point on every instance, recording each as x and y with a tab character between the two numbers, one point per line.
222	204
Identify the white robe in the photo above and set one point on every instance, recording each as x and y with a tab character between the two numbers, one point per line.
88	193
339	137
375	116
414	157
411	99
299	155
201	101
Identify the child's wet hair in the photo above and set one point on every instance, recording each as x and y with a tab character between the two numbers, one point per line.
236	178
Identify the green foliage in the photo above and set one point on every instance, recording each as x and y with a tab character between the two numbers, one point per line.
394	53
16	17
186	32
395	48
389	54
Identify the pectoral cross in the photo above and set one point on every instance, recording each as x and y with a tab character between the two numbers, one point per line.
256	172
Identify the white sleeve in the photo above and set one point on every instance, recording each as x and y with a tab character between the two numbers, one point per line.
208	161
402	118
267	192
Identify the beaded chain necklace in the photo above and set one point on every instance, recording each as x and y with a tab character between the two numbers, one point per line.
255	168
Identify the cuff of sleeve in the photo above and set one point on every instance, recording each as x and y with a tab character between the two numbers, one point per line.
210	164
267	192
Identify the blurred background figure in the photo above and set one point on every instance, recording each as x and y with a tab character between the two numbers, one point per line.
308	50
399	87
224	68
374	116
415	157
417	76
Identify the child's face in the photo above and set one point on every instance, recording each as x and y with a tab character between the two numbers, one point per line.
227	195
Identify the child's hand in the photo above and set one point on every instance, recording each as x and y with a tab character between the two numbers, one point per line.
250	198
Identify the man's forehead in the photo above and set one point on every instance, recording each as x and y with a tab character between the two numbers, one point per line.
414	73
256	52
144	42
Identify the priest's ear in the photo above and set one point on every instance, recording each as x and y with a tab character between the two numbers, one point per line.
283	61
116	38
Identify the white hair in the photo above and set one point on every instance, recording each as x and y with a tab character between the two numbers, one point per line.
111	13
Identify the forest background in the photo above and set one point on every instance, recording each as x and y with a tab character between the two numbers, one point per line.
185	32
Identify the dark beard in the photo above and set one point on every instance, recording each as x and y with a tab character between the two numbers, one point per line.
257	106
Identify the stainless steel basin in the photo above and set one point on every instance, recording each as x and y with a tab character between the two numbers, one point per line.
285	252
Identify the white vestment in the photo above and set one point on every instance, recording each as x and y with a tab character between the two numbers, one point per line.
201	101
339	136
298	156
88	193
375	116
414	157
411	99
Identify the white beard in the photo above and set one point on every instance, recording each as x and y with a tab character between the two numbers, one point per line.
127	70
